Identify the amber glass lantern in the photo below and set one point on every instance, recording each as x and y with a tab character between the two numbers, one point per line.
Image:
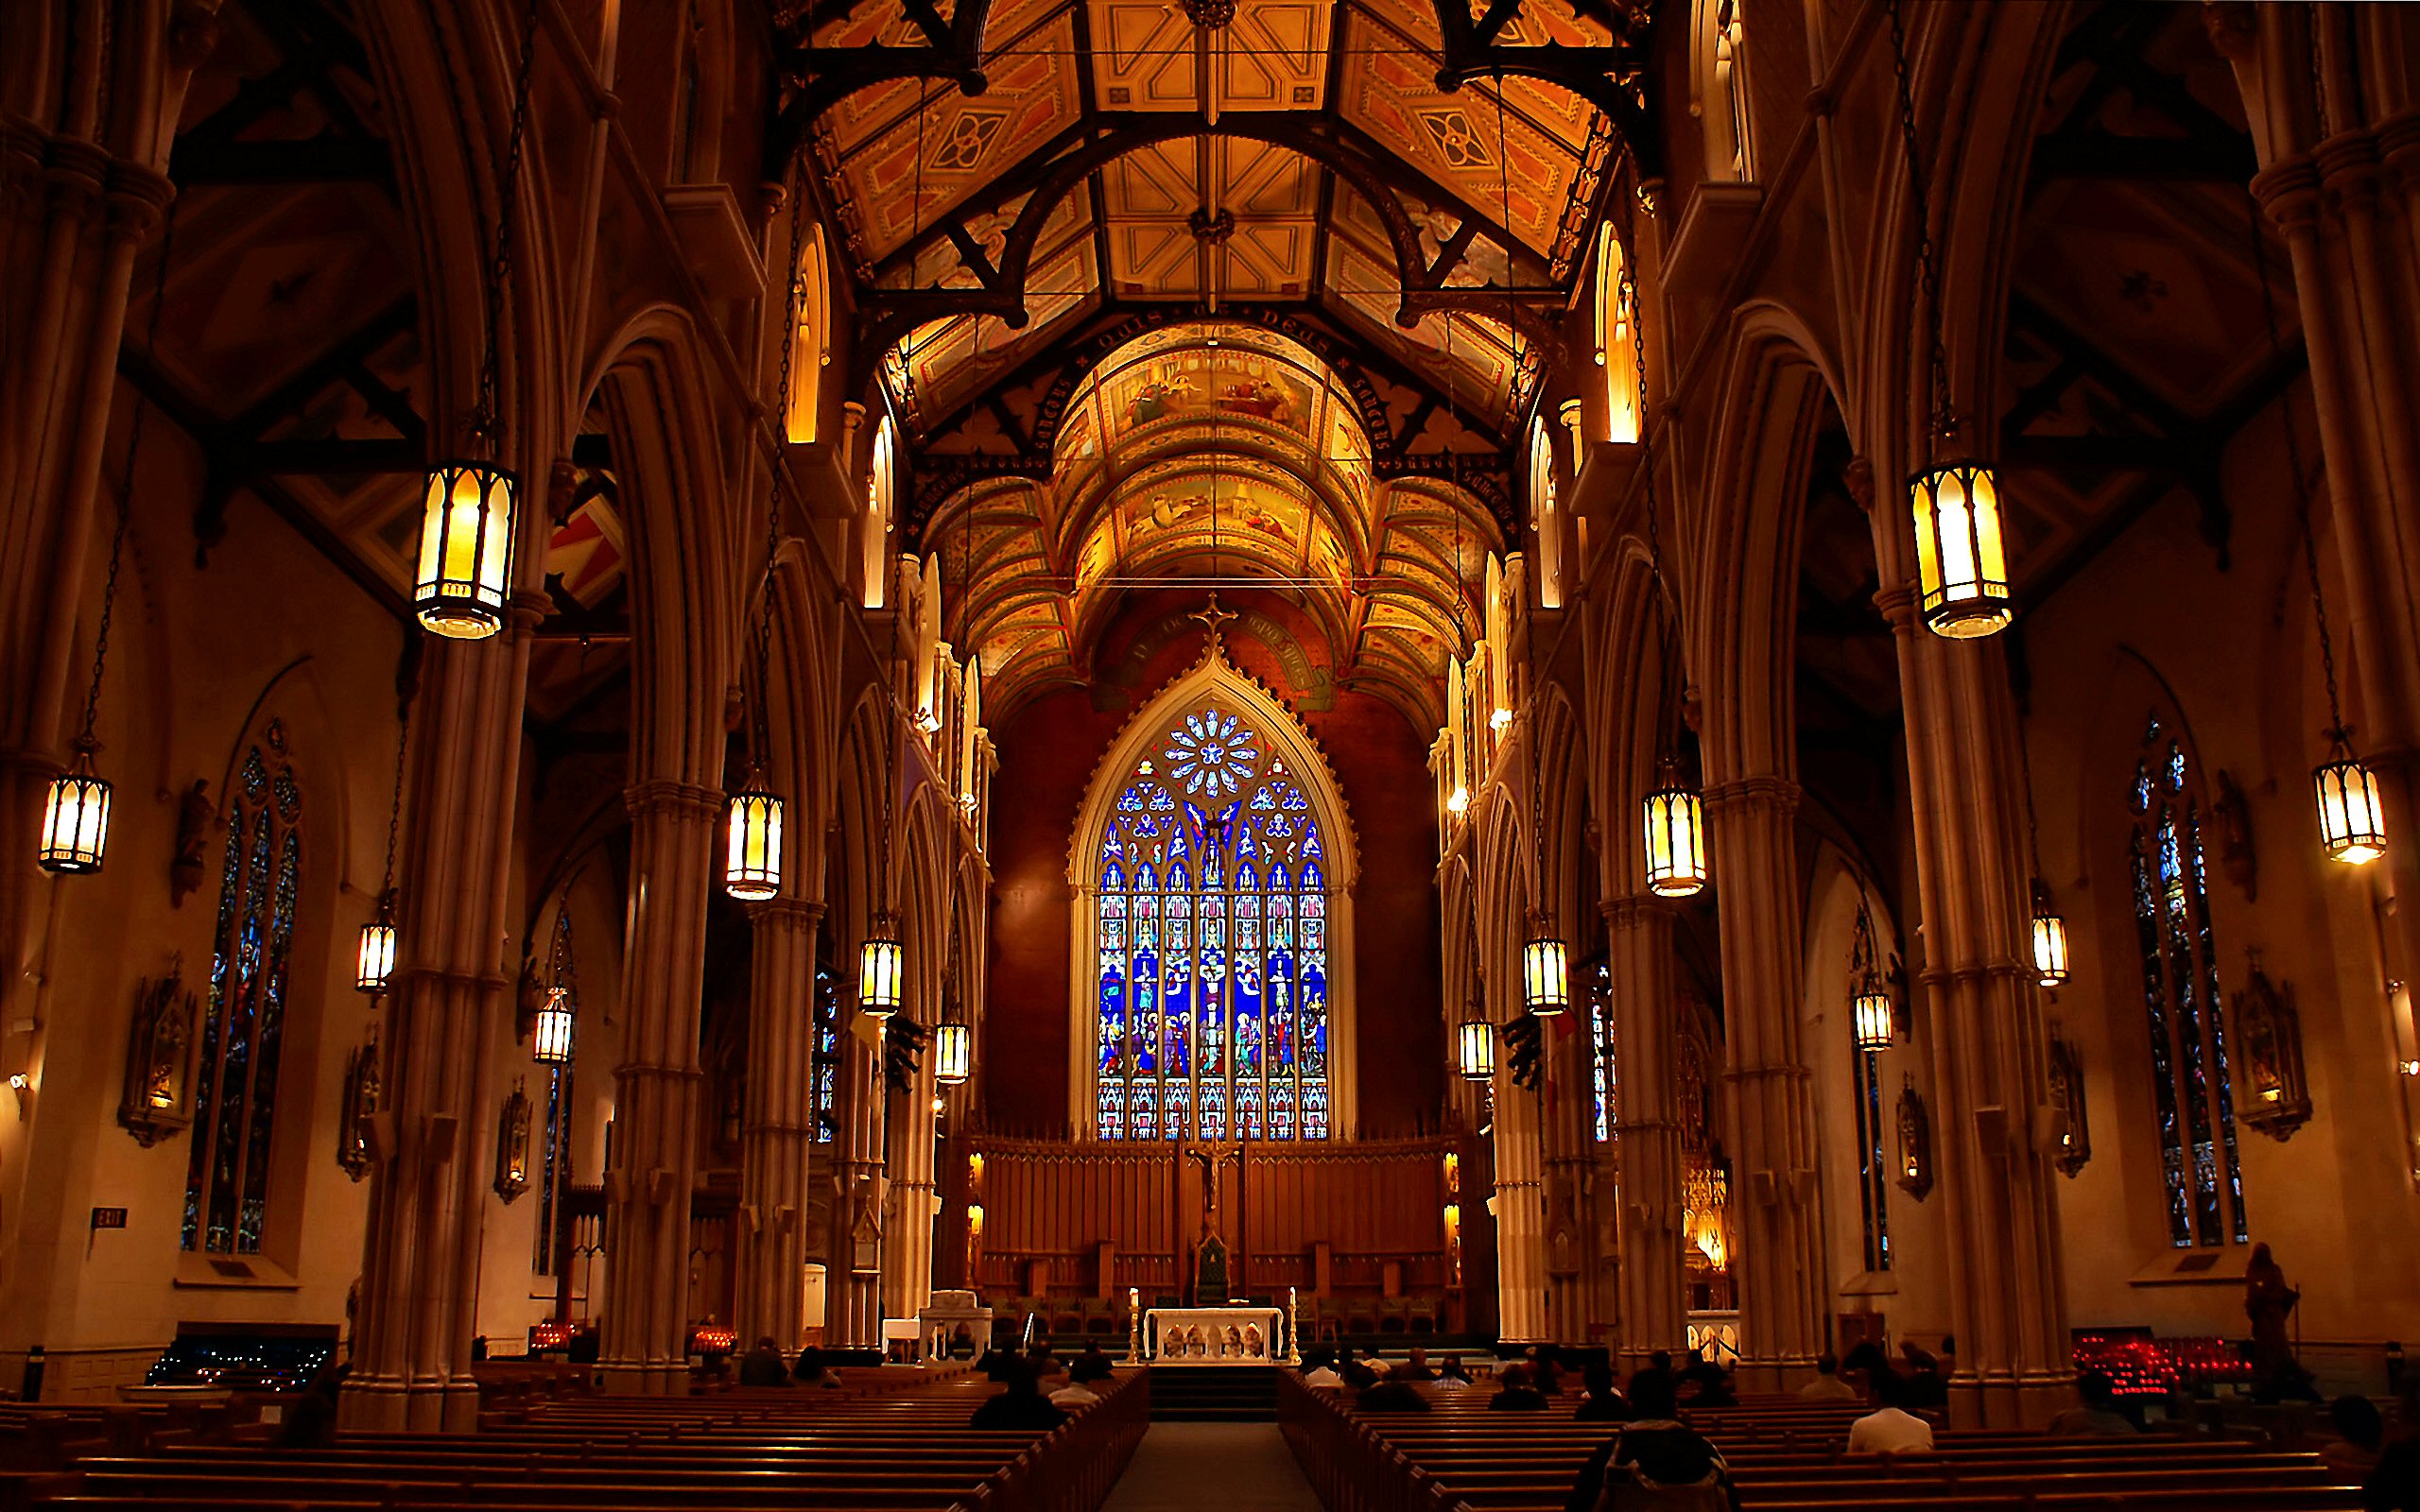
550	1035
1961	557
880	970
76	821
953	1053
374	961
465	549
1477	1045
1675	840
1546	972
1875	1024
752	870
2352	828
2049	939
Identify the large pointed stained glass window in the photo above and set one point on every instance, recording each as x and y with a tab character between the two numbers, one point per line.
2193	1097
1213	978
242	1033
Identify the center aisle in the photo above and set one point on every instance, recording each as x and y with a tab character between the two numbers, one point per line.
1229	1467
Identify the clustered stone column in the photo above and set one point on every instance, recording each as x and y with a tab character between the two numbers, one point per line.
419	1292
1647	1133
777	1140
1779	1265
657	1090
1520	1208
908	1250
856	1300
1569	1139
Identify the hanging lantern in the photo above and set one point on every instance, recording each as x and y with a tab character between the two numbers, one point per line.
879	969
1476	1043
1874	1020
76	822
953	1053
2049	939
550	1033
752	870
465	549
1961	558
375	963
1546	972
1675	840
2352	829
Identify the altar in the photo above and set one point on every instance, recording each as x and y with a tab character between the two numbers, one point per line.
1214	1335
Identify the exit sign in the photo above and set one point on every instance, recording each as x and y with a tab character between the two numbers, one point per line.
109	1217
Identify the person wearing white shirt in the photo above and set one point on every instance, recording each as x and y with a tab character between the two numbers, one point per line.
1888	1429
1072	1395
1828	1384
1321	1373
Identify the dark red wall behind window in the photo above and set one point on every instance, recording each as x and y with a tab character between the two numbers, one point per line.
1048	748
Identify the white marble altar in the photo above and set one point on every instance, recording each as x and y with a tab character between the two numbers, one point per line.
1214	1335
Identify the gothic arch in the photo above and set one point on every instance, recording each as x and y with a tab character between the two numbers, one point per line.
1286	738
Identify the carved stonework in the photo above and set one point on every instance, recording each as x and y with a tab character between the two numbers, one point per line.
160	1053
2236	857
2071	1129
1915	1143
2276	1098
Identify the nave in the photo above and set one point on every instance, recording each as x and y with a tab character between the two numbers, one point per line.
1733	680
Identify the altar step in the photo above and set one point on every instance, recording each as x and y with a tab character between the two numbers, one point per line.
1211	1392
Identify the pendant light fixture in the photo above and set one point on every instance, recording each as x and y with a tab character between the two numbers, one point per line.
1674	827
1874	1020
1475	1041
954	1040
551	1027
881	962
752	863
1961	552
2048	929
76	812
469	506
2352	825
374	960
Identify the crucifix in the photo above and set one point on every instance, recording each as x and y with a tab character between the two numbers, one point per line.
1210	1157
1212	616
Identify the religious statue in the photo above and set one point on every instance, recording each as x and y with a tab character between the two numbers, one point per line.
185	867
1211	1158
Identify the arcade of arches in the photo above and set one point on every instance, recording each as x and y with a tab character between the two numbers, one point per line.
1213	521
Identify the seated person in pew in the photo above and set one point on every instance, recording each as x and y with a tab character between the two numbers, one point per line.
1603	1405
1075	1396
1925	1381
1415	1369
1515	1393
1319	1370
1712	1382
1654	1461
1451	1374
1357	1374
764	1366
2096	1410
1890	1428
1019	1405
1828	1384
1389	1395
2361	1440
810	1370
1546	1368
1091	1366
2394	1485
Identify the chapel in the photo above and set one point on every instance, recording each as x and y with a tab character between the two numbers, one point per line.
917	685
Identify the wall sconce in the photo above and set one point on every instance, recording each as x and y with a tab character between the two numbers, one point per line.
353	1153
161	1051
1453	1243
22	1085
512	1145
2277	1097
2071	1129
1453	1170
1915	1143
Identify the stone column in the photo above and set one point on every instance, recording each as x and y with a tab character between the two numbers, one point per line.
855	1289
657	1090
1520	1197
1569	1140
435	1134
1647	1131
778	1136
1780	1263
1979	1022
908	1250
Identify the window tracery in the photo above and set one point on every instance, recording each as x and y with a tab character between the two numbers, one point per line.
2193	1095
1212	931
227	1179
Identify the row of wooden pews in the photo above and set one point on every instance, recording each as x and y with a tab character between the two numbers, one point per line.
736	1451
1785	1455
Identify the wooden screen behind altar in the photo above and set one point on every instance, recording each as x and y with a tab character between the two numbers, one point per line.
1213	938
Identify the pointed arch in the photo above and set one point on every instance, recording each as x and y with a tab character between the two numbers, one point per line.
1276	809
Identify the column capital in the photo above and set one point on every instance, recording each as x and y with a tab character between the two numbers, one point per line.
798	913
1898	605
2399	143
1989	970
2348	169
672	797
1744	794
2288	189
1633	909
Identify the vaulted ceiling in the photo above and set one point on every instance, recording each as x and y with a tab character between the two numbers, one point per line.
1336	268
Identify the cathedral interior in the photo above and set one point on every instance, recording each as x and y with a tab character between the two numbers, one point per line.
1625	676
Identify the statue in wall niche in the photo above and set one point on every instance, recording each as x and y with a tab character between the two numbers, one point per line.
865	1227
1563	1241
2235	855
195	812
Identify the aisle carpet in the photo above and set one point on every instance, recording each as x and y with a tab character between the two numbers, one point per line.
1229	1467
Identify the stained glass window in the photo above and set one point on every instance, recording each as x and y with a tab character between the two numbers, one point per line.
1872	1172
1600	981
1211	932
827	1048
2193	1097
243	1032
